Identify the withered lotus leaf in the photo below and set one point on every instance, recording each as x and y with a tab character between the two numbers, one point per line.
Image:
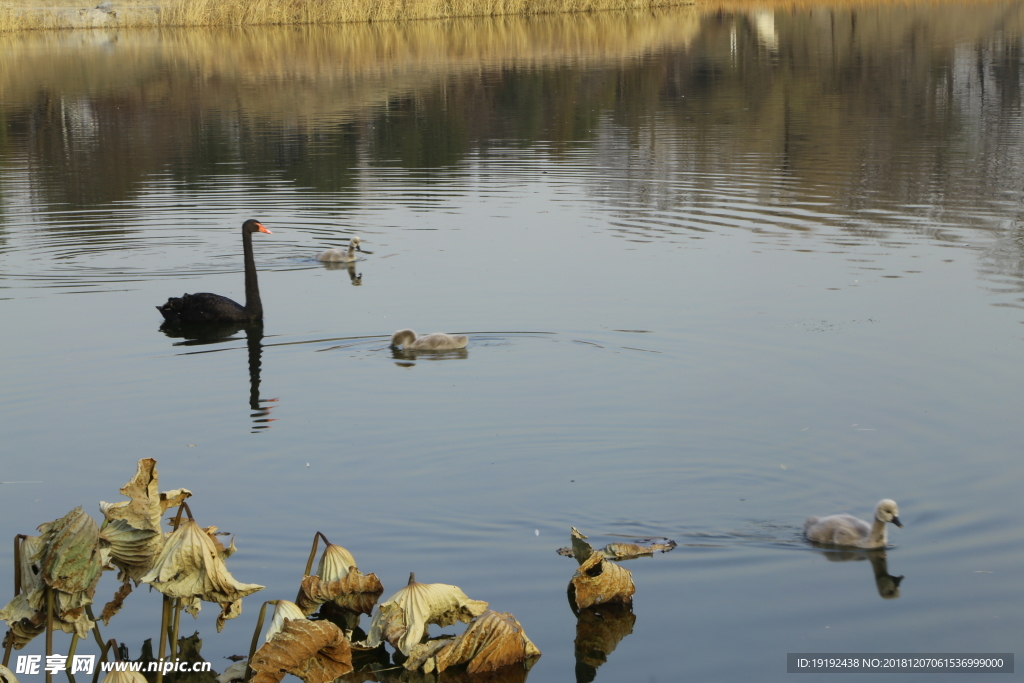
6	676
22	629
147	505
626	551
335	563
355	591
133	526
235	672
598	581
492	640
402	620
284	609
31	575
132	550
114	606
315	651
70	558
582	550
124	677
191	567
24	621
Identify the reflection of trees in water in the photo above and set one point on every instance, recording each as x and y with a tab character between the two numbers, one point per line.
870	120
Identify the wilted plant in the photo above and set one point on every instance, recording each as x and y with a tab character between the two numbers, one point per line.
403	618
337	582
61	569
492	640
133	528
315	651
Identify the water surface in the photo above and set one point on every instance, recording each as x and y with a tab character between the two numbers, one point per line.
720	270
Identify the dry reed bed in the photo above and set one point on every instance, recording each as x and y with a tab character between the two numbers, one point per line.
353	66
181	13
339	71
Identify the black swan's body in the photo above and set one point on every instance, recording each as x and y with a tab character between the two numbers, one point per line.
205	307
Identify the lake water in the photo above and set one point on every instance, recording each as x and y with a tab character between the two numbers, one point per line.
721	269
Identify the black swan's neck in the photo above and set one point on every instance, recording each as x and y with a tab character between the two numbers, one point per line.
253	305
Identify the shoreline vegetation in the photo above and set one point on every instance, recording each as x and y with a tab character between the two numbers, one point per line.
66	14
31	15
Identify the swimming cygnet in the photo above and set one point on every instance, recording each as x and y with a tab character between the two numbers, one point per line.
439	341
340	254
849	531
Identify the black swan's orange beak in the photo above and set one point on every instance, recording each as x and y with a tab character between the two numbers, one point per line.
263	228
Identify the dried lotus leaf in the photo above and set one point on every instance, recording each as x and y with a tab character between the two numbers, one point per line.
235	672
626	551
124	677
599	581
24	622
191	567
492	640
315	651
402	620
70	557
115	604
6	676
335	563
581	550
31	574
132	550
143	511
356	592
284	609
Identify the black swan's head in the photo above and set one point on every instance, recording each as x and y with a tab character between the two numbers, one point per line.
253	225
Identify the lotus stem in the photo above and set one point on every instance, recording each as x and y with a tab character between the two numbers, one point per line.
17	564
95	627
164	619
104	647
309	563
176	520
174	628
312	552
17	591
49	629
256	637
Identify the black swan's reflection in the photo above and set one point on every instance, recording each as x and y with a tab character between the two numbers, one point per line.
598	631
350	267
200	334
888	586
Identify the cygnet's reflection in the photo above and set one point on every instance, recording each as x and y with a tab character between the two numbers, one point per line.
350	266
199	334
406	359
888	586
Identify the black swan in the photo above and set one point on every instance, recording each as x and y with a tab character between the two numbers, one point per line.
206	307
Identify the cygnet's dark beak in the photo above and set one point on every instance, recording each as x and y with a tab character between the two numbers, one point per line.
897	522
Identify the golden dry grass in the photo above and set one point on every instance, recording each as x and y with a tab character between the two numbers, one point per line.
20	15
